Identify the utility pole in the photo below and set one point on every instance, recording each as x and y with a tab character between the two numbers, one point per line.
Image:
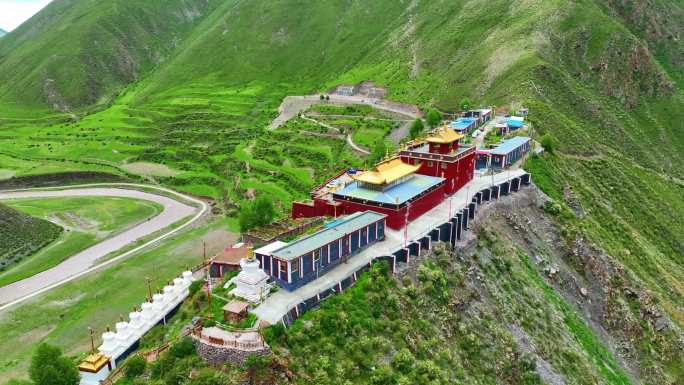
92	339
406	221
211	312
149	289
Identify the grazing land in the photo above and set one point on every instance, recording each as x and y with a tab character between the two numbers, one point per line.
62	316
181	93
85	220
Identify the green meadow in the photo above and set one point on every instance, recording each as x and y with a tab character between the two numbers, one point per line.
85	220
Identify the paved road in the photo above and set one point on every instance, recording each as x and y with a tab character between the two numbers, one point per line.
292	105
87	260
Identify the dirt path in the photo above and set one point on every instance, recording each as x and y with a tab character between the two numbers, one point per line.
355	146
87	260
293	105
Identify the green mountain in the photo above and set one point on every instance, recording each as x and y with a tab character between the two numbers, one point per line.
191	86
2	32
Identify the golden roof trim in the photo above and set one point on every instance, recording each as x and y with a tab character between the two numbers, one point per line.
387	172
444	135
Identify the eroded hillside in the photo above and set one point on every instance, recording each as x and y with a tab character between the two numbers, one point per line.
518	302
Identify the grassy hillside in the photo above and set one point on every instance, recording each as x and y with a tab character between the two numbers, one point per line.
603	79
76	54
22	235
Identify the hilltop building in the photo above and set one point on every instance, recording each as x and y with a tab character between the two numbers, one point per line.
481	116
463	125
305	259
393	188
228	260
403	187
441	155
515	123
509	151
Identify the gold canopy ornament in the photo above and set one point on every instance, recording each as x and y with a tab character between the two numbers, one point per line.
444	135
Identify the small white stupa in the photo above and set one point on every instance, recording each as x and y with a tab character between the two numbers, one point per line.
252	282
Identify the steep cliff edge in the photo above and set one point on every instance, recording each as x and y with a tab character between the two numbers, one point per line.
515	303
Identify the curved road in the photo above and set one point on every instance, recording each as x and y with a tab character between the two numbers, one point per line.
86	261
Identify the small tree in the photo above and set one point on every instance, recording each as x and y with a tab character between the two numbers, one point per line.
322	97
49	367
264	210
378	152
135	367
258	213
416	128
465	104
547	143
433	117
182	348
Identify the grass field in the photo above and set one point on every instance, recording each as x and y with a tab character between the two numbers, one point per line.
86	220
63	316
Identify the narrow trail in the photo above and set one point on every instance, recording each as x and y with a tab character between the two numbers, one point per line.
355	146
86	261
350	141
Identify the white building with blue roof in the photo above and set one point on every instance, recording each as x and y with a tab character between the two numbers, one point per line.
298	262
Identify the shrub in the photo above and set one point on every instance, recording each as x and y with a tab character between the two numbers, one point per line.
547	143
378	152
416	128
195	287
433	117
209	376
49	367
135	367
182	348
258	213
465	104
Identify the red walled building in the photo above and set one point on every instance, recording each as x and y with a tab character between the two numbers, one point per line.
404	187
441	155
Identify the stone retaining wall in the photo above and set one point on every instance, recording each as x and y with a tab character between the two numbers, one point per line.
217	355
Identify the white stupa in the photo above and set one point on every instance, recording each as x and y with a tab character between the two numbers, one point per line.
251	282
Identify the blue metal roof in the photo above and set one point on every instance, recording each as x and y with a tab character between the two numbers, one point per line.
321	238
509	145
461	124
515	123
399	193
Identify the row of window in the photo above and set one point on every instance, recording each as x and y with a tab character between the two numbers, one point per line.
430	163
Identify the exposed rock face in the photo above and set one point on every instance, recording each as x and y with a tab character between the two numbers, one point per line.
217	355
614	303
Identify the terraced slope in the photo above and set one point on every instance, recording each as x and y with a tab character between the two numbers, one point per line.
22	235
602	78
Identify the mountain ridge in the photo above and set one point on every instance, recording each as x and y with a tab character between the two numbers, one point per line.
602	79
